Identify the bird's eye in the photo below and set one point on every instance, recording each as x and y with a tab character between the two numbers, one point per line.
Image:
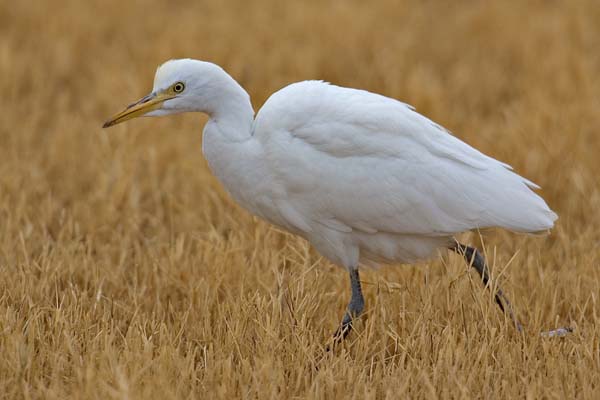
178	87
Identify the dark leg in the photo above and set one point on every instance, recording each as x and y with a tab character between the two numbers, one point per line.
475	259
355	307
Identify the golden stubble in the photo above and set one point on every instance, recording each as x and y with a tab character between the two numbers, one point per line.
126	272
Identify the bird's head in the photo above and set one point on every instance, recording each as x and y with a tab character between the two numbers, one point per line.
179	86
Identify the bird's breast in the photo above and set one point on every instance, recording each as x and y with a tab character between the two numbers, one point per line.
242	170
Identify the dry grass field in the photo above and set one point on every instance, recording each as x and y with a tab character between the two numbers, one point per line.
126	272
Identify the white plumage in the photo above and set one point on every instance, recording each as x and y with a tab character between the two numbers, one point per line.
364	178
362	175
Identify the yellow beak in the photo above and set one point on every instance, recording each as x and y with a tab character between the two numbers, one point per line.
143	106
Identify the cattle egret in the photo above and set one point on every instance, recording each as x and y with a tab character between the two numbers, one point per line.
364	178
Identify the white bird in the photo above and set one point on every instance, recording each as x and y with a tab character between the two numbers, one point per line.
364	178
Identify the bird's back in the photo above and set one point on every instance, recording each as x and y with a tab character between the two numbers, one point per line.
355	163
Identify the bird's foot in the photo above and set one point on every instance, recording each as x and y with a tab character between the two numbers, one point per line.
340	334
560	332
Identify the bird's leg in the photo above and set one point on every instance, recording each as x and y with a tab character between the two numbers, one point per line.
475	259
355	307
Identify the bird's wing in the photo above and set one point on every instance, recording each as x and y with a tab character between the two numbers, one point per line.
351	159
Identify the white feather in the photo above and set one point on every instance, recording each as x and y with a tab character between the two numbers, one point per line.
363	177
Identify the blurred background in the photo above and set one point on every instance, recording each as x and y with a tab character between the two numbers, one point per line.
127	272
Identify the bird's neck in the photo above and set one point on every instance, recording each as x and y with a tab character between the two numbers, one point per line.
233	154
234	117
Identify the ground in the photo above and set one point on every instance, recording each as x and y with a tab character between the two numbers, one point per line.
127	272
